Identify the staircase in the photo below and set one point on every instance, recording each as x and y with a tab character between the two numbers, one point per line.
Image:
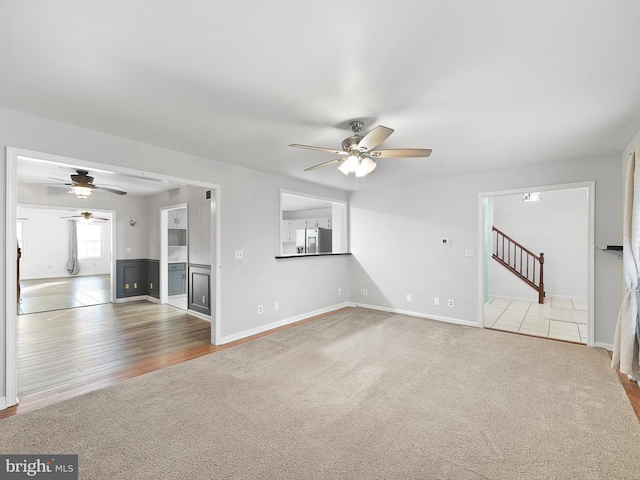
519	261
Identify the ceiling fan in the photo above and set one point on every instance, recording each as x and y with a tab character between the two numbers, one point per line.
88	217
357	155
82	185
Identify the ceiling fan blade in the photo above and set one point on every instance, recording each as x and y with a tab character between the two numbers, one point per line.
110	190
401	153
320	149
330	162
374	138
60	179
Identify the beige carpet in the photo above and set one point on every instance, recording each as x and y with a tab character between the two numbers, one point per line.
359	394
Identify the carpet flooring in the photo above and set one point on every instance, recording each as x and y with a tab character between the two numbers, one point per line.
356	395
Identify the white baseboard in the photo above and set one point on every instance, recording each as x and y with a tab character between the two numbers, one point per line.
201	316
606	346
535	299
3	403
137	298
153	299
515	299
455	321
279	323
570	297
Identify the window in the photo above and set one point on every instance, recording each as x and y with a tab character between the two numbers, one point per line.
20	233
89	240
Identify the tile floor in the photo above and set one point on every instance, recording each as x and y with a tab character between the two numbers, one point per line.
61	293
178	301
559	318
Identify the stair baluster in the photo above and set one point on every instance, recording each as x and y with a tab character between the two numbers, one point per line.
536	282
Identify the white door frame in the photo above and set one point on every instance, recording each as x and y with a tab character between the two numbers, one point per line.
11	255
591	200
164	249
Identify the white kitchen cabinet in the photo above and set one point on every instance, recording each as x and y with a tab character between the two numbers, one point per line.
324	222
297	225
178	218
320	222
285	231
289	227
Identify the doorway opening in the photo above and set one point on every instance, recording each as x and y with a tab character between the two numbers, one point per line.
45	281
561	226
133	218
174	258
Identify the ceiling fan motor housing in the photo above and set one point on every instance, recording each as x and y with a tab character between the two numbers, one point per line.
351	143
82	178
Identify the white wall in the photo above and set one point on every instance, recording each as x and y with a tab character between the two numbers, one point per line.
396	231
315	213
557	226
46	249
250	203
126	208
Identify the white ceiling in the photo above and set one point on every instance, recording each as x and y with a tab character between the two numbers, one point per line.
32	171
486	84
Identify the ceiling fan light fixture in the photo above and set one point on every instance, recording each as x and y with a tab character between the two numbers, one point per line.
365	167
80	191
349	165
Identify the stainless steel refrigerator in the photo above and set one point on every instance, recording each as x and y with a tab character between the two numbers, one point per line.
318	240
314	240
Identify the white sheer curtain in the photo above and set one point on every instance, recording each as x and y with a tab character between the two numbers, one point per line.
73	267
625	347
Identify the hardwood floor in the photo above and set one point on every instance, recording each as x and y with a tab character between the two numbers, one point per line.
48	294
67	352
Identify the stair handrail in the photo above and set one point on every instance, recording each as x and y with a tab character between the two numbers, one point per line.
539	258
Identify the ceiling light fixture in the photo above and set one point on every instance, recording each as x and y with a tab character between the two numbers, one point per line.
349	165
357	164
532	197
80	191
365	166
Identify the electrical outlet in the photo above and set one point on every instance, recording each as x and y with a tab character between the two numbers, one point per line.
451	304
276	306
239	255
468	252
127	249
408	297
436	300
260	309
364	291
445	241
339	291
